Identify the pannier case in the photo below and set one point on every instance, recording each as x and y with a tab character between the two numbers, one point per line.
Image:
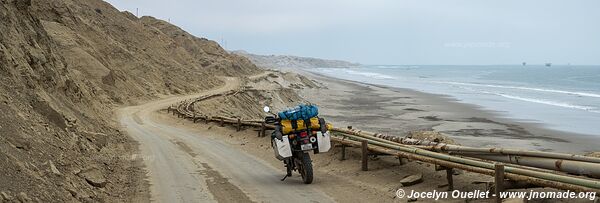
282	148
324	141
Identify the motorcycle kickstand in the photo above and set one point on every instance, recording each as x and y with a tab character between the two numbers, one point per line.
284	177
289	172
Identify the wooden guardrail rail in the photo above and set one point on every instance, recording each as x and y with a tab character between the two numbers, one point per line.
432	152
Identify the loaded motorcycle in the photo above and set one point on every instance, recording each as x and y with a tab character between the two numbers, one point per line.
297	132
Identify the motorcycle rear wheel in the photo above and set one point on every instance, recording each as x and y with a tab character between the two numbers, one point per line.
306	170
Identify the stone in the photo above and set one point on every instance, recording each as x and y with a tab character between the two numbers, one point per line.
23	197
412	180
5	195
94	178
73	192
412	200
594	154
23	144
99	182
54	169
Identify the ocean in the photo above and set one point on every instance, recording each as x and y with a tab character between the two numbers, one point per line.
565	98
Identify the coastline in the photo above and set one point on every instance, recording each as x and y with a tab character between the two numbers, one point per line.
342	180
397	111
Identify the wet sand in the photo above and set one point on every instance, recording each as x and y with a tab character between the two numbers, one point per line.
397	111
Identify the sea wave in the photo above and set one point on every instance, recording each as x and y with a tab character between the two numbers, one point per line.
368	74
548	102
394	66
584	94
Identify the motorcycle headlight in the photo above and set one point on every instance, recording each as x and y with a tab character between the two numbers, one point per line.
313	139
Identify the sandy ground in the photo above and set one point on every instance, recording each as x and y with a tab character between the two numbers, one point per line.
184	166
205	162
398	111
342	180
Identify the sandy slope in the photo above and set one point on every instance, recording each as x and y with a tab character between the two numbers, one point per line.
186	167
65	65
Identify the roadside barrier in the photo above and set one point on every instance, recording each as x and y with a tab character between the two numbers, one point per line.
546	169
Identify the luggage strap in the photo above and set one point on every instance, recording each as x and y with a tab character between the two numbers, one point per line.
294	125
307	124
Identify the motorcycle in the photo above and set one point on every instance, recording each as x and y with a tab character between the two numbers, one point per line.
293	146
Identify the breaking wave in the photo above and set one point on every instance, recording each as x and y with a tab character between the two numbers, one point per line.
368	74
548	102
584	94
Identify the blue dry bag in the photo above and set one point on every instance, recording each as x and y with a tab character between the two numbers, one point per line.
300	112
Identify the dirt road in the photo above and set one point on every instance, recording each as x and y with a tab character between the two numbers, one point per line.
188	167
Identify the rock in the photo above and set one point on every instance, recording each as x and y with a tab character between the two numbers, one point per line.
22	144
96	181
73	192
94	177
100	140
5	195
23	197
594	154
430	135
54	169
412	200
412	180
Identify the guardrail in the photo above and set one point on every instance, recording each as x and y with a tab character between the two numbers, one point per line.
538	168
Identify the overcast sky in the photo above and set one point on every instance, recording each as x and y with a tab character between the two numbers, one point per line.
394	31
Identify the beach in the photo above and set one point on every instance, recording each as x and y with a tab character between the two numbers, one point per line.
362	106
398	111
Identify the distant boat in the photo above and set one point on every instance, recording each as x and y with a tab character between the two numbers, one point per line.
548	64
524	63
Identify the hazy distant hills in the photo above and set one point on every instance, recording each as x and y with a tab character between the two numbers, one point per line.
284	61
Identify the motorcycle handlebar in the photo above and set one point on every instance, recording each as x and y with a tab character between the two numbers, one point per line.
271	119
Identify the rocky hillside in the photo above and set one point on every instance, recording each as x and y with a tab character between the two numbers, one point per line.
294	62
65	65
